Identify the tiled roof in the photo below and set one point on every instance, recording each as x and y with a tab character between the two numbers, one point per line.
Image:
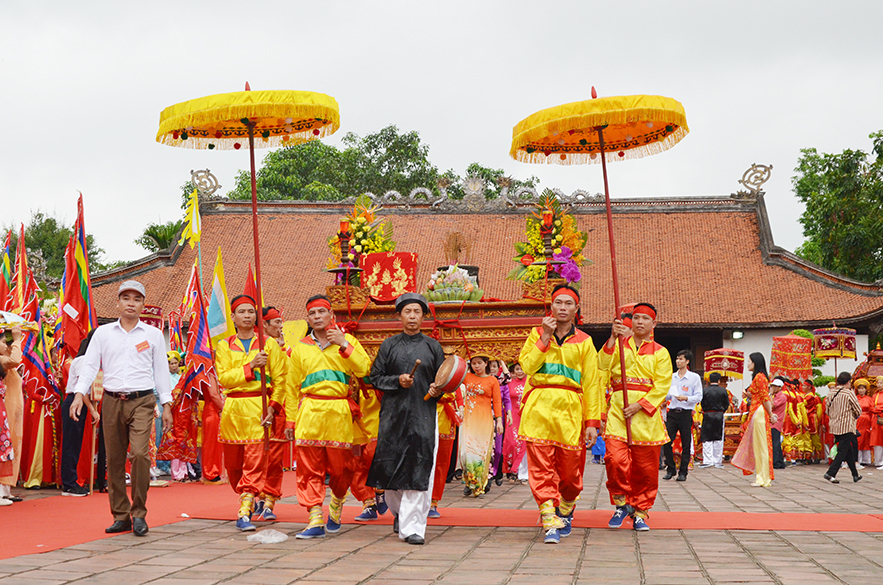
704	262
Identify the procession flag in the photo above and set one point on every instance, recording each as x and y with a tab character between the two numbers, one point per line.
5	272
251	289
192	222
179	442
77	311
220	322
23	297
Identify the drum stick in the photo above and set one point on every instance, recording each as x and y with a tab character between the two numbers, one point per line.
414	369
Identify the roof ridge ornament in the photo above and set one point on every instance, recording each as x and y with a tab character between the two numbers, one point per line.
753	179
205	182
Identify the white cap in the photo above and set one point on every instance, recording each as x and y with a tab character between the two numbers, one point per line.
132	285
777	382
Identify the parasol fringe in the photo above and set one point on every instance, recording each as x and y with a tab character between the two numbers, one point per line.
212	110
586	158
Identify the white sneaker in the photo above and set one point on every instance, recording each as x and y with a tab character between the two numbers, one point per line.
5	502
857	465
721	466
880	466
705	465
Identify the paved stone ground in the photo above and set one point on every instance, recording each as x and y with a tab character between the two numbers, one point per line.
197	552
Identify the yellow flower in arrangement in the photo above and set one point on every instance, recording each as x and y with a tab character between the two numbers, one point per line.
567	244
368	234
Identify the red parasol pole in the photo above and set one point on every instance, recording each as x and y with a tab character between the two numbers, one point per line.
257	271
625	392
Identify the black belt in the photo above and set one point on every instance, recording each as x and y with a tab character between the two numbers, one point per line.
129	395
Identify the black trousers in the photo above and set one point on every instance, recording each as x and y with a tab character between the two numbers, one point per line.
778	456
71	442
679	421
847	450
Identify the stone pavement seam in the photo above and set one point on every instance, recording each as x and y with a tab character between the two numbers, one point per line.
640	562
850	549
524	555
810	558
754	559
695	556
467	554
582	555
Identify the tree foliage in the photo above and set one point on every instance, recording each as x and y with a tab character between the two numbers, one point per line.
160	236
50	236
388	160
843	220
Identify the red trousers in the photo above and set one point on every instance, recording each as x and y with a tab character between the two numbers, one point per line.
273	482
442	462
555	473
360	473
313	463
632	472
212	452
246	467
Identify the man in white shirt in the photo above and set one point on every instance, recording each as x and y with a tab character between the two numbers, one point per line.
132	355
684	395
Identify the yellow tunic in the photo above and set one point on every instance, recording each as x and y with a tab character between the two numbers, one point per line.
447	430
562	393
370	407
324	418
649	372
241	416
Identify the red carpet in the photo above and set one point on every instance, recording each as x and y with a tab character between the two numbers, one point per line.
55	522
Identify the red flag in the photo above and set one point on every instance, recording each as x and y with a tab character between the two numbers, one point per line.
6	272
180	441
77	312
24	301
250	288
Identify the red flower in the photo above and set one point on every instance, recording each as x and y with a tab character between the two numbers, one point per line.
527	259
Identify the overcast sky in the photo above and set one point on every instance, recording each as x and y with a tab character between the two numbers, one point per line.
83	84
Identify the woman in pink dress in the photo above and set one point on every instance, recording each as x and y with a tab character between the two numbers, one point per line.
513	448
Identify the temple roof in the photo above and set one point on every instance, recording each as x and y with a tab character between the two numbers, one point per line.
704	262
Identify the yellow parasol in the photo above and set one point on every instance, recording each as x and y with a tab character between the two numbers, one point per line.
601	130
229	120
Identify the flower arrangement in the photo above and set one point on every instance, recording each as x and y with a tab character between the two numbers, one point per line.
452	284
567	244
368	234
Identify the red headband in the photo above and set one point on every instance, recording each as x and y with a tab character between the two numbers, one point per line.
565	291
272	314
644	310
318	303
243	300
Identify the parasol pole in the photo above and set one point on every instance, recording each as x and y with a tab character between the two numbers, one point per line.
625	392
257	271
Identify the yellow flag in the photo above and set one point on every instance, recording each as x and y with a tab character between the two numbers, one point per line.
220	321
192	225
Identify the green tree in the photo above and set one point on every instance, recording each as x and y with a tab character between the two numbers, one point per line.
843	220
160	236
50	236
388	160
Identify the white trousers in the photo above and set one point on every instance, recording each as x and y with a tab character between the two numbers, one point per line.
522	469
713	453
864	457
878	455
412	506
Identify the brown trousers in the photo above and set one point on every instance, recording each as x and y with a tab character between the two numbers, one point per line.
127	425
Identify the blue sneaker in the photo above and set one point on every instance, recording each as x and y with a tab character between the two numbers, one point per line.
381	504
312	532
258	508
244	524
266	515
568	520
641	525
619	516
367	515
433	514
553	536
331	526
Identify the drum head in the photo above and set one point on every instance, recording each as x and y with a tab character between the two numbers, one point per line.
451	373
